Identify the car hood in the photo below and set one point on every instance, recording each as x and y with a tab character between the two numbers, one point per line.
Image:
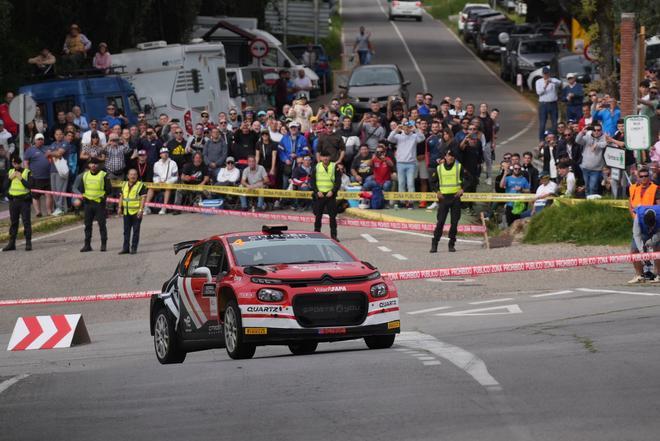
305	271
535	58
374	91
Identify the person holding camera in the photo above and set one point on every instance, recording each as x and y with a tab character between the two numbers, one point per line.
450	189
406	136
514	182
594	142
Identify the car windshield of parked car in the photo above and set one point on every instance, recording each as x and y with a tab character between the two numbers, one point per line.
374	77
576	65
270	250
538	47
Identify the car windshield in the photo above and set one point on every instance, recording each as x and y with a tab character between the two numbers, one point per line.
575	65
653	52
375	76
286	249
538	47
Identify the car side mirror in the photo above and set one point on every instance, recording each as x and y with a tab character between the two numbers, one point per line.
147	108
342	86
503	38
406	83
203	271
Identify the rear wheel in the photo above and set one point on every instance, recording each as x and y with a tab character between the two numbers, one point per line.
303	348
233	329
380	341
166	342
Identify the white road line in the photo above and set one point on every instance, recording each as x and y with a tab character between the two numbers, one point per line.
451	280
493	310
413	233
9	383
405	46
38	238
422	311
432	363
399	256
468	362
611	291
427	358
369	238
483	302
558	293
385	249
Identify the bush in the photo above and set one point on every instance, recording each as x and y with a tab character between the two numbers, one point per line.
585	223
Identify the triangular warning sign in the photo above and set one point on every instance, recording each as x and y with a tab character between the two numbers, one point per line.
562	29
493	310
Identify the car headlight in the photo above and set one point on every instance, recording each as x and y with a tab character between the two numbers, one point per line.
265	281
270	295
379	290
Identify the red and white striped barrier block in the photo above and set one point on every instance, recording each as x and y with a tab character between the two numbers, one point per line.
408	226
48	332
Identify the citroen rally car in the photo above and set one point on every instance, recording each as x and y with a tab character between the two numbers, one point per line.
274	287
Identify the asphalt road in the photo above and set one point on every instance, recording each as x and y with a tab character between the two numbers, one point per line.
550	355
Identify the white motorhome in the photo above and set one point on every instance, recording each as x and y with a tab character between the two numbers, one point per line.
236	33
179	80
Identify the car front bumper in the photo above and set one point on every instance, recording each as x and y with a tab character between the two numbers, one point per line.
265	335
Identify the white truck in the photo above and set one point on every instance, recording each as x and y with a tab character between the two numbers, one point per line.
236	33
181	80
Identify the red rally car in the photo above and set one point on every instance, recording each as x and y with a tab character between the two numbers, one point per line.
274	287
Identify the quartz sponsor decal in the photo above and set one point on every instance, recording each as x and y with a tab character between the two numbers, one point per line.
264	309
387	303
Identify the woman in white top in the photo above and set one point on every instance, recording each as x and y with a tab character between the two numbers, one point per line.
545	189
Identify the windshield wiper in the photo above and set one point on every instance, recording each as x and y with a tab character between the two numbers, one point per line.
310	261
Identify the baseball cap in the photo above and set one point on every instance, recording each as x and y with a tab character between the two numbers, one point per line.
261	113
164	150
571	121
38	136
544	175
570	75
294	124
373	100
302	96
142	153
546	69
204	113
230	159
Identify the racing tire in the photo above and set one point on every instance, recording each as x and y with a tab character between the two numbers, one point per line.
233	331
419	18
166	342
303	348
380	341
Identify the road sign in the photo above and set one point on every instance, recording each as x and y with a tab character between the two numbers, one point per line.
615	174
562	29
15	108
637	132
615	158
48	332
259	48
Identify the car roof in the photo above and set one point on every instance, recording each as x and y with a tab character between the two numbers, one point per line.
261	233
373	66
476	6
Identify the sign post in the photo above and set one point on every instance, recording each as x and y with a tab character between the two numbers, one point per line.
22	109
637	132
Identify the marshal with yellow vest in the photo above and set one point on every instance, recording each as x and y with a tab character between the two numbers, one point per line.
94	186
450	190
131	207
20	204
325	183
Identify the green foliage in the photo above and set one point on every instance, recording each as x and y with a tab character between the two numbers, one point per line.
332	43
586	223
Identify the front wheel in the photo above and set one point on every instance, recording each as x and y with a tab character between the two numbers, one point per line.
233	327
303	348
166	342
380	341
419	18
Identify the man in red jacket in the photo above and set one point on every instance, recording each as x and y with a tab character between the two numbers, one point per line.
10	125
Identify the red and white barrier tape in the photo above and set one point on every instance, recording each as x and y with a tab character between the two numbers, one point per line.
407	226
535	265
475	270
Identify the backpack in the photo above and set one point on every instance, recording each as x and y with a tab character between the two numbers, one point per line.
377	198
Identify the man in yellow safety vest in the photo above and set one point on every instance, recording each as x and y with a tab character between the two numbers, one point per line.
131	207
20	203
325	182
94	185
450	190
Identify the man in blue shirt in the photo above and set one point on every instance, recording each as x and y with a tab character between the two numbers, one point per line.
112	118
59	149
609	117
35	158
573	96
646	238
514	182
292	145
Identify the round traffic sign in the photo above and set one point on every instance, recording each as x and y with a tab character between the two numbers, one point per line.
29	110
259	48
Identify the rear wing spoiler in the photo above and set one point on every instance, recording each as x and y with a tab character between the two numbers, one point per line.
184	245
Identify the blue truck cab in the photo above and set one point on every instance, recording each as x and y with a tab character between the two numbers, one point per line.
92	94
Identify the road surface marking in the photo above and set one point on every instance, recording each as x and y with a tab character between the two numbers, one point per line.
432	363
413	233
558	293
9	383
422	311
426	358
451	280
468	362
399	256
494	310
611	291
405	46
384	249
369	238
483	302
38	238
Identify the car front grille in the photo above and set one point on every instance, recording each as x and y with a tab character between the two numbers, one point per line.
330	309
